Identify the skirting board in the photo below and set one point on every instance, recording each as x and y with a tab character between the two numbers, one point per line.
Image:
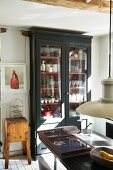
13	153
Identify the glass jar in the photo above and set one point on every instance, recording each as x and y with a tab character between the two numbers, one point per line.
80	54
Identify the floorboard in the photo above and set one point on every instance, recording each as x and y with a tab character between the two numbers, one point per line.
44	162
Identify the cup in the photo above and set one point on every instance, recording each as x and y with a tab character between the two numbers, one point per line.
45	100
55	68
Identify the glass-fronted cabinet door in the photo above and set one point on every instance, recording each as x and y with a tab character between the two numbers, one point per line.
50	81
77	78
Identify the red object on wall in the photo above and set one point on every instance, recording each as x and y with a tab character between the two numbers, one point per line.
14	82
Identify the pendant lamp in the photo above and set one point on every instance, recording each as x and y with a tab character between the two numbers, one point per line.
102	108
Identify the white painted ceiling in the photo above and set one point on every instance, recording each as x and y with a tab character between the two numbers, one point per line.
27	14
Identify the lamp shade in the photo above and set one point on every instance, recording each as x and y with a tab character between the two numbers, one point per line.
96	109
102	108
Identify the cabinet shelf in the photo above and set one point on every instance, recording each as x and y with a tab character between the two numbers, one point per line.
54	73
45	88
77	59
73	73
46	117
46	104
50	57
76	102
50	73
76	88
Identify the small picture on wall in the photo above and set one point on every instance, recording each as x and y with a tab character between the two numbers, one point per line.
15	76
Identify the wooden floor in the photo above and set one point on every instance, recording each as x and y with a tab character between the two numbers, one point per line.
44	162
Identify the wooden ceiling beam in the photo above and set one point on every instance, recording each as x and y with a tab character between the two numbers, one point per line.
103	3
25	33
94	5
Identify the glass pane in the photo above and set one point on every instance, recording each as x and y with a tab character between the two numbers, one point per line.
77	78
50	81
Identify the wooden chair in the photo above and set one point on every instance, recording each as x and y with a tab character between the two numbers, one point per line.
16	130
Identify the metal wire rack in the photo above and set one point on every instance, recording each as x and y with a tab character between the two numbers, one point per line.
16	108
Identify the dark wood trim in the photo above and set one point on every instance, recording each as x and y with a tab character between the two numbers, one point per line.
2	30
26	33
55	30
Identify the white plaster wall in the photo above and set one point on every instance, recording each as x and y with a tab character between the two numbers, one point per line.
95	82
14	49
103	72
13	46
99	123
94	79
99	69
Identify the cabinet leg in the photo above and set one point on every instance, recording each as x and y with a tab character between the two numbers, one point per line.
6	153
28	152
